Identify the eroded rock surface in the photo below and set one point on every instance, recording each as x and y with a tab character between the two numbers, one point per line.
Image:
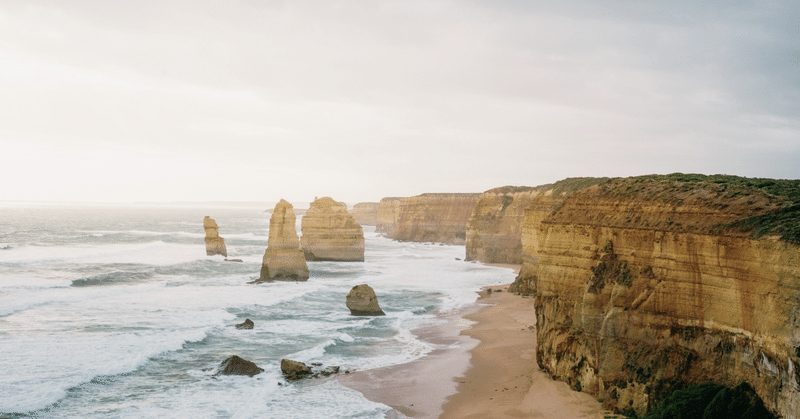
641	289
215	245
362	301
238	366
330	233
366	213
430	217
283	259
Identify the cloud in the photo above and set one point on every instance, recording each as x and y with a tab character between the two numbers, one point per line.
377	98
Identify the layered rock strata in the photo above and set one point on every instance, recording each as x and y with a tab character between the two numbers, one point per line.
215	245
644	286
362	301
494	229
434	217
366	213
283	259
387	215
330	233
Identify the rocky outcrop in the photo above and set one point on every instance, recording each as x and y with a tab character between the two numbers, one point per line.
238	366
366	213
362	301
246	325
494	229
330	233
296	370
283	259
387	215
647	285
434	217
215	245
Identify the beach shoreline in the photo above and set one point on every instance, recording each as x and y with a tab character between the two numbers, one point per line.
484	365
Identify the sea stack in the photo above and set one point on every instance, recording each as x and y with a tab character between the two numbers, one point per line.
330	233
362	301
283	259
215	245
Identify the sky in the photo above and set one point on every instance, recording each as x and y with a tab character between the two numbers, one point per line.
245	100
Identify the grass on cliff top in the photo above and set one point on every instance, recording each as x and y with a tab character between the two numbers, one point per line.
568	185
712	401
783	221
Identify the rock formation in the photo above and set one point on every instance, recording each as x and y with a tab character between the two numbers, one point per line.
494	229
294	370
387	214
430	217
238	366
215	245
283	259
647	285
330	233
246	325
365	213
362	301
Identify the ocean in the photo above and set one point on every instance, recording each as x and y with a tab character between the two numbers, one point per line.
112	311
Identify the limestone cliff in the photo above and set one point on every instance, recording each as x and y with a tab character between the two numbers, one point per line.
330	233
283	259
215	245
365	213
494	229
387	215
434	217
646	285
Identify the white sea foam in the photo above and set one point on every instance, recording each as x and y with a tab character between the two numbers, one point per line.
152	253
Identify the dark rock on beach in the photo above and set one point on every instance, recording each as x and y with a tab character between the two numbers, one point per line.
238	366
362	301
294	370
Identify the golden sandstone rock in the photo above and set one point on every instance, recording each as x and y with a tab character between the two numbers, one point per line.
362	301
330	233
430	217
494	229
283	259
641	289
365	213
215	245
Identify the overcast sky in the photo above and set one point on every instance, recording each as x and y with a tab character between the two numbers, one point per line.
246	100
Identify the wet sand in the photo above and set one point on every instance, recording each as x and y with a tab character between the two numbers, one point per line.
484	367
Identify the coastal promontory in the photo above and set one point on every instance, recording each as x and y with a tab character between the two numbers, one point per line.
283	259
330	233
648	285
430	217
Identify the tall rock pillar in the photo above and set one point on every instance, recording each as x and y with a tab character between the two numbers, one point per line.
283	259
215	245
330	233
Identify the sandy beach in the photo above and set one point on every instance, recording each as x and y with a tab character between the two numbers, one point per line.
484	367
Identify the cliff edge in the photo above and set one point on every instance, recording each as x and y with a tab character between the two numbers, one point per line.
650	284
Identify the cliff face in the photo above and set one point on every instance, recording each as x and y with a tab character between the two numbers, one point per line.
283	259
436	217
215	245
365	213
494	229
330	233
387	214
643	287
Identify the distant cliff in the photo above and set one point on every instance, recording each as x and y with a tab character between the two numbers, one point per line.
494	229
387	215
646	285
430	217
365	213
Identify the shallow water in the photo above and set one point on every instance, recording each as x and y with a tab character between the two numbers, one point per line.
117	312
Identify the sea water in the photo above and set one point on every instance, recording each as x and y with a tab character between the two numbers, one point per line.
117	312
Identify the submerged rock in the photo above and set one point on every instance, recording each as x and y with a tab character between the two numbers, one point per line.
248	324
238	366
362	301
283	259
215	245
